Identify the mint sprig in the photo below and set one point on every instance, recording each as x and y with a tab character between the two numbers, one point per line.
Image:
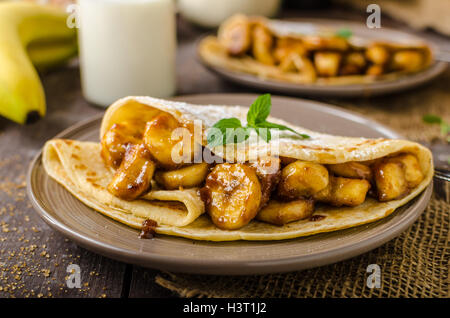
344	33
232	131
434	119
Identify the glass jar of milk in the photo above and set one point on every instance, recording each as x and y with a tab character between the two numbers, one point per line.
127	47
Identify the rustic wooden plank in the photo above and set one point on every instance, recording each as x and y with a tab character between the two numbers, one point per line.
142	285
33	257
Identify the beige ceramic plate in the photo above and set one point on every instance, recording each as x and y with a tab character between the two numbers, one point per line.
353	90
96	232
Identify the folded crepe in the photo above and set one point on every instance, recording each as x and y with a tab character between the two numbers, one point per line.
78	166
290	52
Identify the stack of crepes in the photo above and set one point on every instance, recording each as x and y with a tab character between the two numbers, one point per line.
79	167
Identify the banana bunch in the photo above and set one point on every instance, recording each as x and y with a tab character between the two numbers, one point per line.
32	37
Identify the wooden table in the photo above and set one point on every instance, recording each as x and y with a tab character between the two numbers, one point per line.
33	257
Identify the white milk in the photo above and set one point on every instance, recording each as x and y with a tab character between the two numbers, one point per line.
127	47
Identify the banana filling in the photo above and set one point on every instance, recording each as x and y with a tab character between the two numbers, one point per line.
272	190
316	56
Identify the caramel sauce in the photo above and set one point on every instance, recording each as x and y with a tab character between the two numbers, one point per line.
317	217
148	229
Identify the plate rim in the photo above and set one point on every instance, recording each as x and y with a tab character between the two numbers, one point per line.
224	267
377	88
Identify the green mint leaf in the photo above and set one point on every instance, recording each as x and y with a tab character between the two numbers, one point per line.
432	119
264	133
259	110
214	139
217	136
236	135
344	33
267	124
228	123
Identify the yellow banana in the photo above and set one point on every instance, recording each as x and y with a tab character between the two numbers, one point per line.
22	96
46	55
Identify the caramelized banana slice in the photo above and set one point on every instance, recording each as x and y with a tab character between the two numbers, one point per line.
235	35
262	44
134	175
280	213
407	60
285	46
356	58
327	63
375	70
344	191
411	168
158	140
232	194
351	170
287	63
115	141
377	54
301	64
353	63
390	180
302	178
187	177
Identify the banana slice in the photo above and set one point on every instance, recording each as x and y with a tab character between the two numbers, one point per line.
375	70
301	64
353	63
302	179
262	44
407	60
134	175
285	46
354	170
355	58
235	35
161	141
188	177
280	213
344	191
390	180
327	63
116	140
378	54
411	168
232	195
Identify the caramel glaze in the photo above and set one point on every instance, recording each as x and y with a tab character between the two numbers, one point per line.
134	175
148	229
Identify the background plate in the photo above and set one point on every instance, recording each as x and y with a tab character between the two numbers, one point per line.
354	90
98	233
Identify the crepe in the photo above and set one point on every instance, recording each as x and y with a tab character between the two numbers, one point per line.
78	167
214	54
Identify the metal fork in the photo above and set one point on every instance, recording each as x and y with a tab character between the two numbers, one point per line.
441	157
442	184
